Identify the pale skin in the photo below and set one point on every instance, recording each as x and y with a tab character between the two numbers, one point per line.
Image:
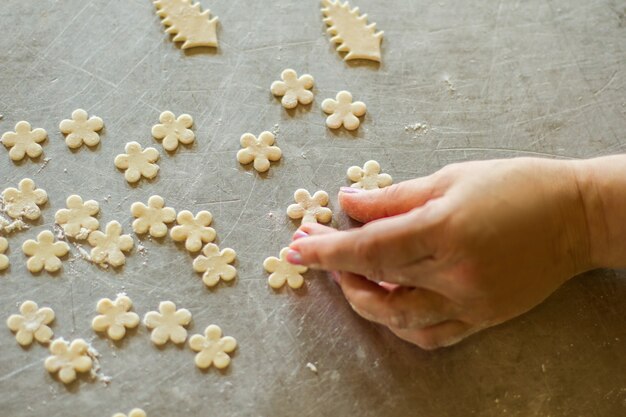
473	245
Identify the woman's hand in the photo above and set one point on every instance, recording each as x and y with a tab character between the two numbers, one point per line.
468	247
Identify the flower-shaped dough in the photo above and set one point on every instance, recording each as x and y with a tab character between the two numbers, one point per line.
68	359
31	323
135	412
212	348
214	264
310	209
44	252
24	201
152	218
260	150
284	272
108	246
24	141
193	230
173	130
77	219
168	323
4	260
369	177
294	89
81	129
115	317
343	111
137	162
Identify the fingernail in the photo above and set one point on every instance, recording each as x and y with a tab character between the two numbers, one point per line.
349	190
299	235
336	277
294	257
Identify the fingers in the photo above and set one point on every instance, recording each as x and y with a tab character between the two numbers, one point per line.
443	334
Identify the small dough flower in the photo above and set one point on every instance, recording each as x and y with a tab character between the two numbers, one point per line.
68	359
369	177
310	209
152	218
343	111
77	220
193	230
212	348
167	323
108	246
4	260
284	272
214	264
135	412
24	141
115	317
294	89
32	323
137	162
81	129
24	200
44	252
258	150
174	130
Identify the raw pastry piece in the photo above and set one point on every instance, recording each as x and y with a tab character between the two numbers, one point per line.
24	141
351	31
214	264
168	323
137	162
81	129
284	272
4	260
115	317
174	130
77	219
188	23
212	348
260	150
369	177
135	412
310	209
152	218
193	230
32	323
108	246
24	201
343	111
68	359
293	89
44	252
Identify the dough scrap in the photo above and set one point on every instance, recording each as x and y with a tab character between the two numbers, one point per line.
343	111
4	260
168	323
351	31
77	219
193	230
188	23
282	271
293	89
67	359
369	177
108	247
260	150
153	217
214	264
135	412
44	252
174	130
115	317
24	141
137	162
310	209
31	324
24	201
81	129
212	348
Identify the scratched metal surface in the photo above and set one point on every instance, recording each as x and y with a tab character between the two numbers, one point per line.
489	79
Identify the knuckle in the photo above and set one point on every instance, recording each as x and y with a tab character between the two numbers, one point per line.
368	249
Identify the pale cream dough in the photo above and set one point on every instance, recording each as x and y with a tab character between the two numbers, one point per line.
135	412
284	272
193	230
343	111
81	129
214	264
115	317
137	162
24	141
31	324
310	209
77	219
108	247
173	130
212	348
369	177
24	201
261	150
44	252
168	323
188	23
4	260
152	218
293	89
67	359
